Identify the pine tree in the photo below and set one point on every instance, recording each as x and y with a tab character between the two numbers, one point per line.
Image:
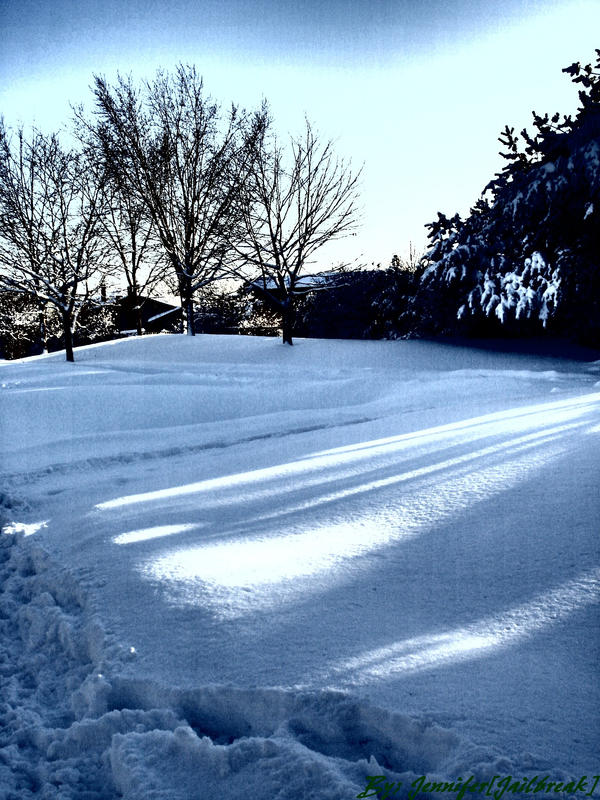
528	253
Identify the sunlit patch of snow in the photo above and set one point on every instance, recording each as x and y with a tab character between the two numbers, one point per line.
245	575
544	413
472	641
270	489
261	561
501	424
158	531
39	389
507	449
25	528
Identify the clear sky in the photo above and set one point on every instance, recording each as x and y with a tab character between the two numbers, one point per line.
416	90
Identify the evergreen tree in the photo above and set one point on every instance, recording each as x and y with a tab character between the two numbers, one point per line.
528	253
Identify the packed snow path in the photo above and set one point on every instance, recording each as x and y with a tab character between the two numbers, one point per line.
412	523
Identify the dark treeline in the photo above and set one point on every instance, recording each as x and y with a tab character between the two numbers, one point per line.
168	194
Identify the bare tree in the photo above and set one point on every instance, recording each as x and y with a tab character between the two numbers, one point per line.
130	233
50	205
184	161
293	204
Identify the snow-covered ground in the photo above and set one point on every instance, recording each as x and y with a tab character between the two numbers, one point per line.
234	569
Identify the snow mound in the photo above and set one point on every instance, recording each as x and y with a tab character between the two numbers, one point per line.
72	727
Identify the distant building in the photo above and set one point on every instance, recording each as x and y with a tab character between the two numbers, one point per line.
154	315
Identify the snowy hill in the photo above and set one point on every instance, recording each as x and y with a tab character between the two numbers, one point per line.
234	569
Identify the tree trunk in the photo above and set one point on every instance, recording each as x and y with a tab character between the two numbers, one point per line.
42	328
187	304
288	318
189	317
136	304
138	317
68	333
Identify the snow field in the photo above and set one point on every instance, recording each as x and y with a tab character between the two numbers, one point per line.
238	570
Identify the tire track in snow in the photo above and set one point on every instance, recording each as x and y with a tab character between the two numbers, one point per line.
105	462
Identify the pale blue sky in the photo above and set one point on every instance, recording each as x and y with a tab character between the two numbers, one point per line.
417	90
